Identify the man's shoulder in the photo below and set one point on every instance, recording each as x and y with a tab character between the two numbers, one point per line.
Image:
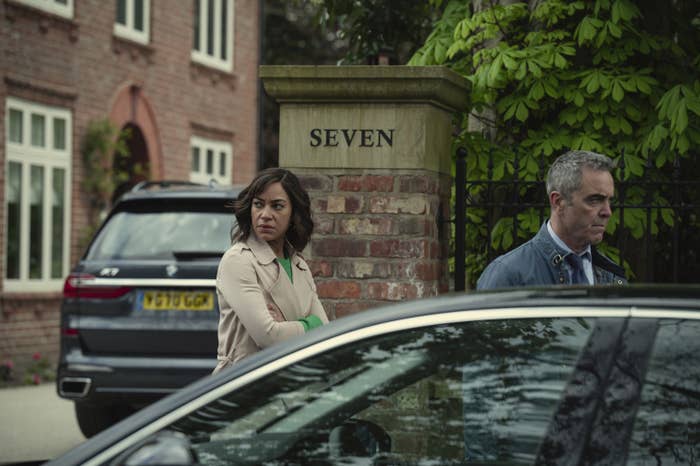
506	270
528	247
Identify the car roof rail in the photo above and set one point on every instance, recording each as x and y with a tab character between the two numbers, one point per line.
146	184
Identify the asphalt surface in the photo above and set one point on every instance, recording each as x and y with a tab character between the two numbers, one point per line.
35	424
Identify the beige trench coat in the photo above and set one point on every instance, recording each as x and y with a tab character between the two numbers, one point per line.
249	277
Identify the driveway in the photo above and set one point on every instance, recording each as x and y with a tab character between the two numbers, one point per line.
35	424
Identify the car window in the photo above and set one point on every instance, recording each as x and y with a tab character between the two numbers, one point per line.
161	235
667	426
478	391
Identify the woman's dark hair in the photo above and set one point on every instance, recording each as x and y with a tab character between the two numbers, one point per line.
300	225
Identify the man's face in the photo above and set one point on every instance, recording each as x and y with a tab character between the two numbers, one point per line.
582	219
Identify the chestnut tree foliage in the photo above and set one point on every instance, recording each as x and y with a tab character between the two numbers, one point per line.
619	77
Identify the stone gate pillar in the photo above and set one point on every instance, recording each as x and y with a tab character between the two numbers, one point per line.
372	146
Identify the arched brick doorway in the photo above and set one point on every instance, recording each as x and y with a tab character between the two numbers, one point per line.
134	167
132	110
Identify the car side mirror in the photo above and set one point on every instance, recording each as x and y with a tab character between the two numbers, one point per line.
165	447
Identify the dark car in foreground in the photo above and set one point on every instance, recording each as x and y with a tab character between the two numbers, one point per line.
551	376
139	314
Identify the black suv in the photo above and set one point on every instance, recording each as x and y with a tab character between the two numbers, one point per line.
139	313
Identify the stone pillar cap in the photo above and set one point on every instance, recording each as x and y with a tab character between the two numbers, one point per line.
437	85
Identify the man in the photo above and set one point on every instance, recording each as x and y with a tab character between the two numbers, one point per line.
580	187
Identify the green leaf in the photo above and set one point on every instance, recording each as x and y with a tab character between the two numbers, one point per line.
613	124
628	84
668	102
644	84
559	61
551	87
456	47
568	116
510	112
509	62
693	105
625	126
614	30
522	112
494	71
507	239
627	10
681	117
617	92
440	53
593	83
615	12
660	159
534	68
682	144
581	113
657	135
634	164
537	91
668	216
633	113
586	30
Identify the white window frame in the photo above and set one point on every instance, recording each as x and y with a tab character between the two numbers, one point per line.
128	30
49	158
201	56
219	148
51	6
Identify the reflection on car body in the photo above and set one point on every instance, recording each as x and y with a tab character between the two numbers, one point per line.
524	377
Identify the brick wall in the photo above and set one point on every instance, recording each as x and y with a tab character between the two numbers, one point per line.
29	327
380	236
79	64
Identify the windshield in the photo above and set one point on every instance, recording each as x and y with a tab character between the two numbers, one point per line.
163	236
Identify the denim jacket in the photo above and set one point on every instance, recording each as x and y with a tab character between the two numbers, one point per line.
540	262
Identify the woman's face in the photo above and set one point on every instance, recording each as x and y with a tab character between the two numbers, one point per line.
271	213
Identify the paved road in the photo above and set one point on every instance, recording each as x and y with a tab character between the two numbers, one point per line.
35	424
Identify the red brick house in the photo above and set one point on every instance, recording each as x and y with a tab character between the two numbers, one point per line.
181	75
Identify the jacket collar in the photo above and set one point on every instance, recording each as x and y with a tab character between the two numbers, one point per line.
544	242
555	254
265	255
261	250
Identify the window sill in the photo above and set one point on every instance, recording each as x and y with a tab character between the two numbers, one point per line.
45	20
202	72
124	45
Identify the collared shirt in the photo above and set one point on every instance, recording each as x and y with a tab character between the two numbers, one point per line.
585	255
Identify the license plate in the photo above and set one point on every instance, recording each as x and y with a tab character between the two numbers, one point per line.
178	301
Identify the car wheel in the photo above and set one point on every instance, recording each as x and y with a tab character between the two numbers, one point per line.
92	418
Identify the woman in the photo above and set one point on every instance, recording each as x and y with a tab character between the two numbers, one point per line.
265	289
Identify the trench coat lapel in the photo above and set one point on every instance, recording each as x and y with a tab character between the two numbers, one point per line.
280	290
283	293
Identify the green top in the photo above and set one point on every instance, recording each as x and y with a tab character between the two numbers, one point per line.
286	264
312	321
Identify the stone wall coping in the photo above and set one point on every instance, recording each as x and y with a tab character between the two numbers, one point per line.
437	85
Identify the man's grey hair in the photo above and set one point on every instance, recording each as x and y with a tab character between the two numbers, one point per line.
564	176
